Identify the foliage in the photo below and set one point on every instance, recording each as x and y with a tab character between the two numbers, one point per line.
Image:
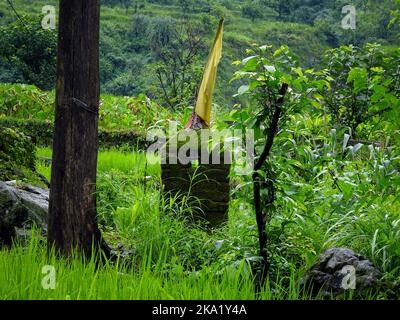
317	176
116	113
41	134
78	279
25	101
312	214
395	14
31	50
253	10
275	86
128	63
129	113
358	85
341	193
330	188
17	152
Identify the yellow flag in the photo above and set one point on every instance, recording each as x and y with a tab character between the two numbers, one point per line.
204	100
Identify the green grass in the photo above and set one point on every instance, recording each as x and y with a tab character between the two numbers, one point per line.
132	162
173	259
81	280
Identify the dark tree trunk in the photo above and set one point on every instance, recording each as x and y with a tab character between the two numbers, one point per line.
72	212
263	213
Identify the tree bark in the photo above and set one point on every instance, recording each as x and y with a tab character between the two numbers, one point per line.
262	214
72	220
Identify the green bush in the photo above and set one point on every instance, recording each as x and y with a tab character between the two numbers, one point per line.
109	139
36	64
16	152
359	85
41	133
26	101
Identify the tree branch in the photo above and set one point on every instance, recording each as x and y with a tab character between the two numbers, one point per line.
273	127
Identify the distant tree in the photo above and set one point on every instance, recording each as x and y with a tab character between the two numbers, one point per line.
395	13
139	26
139	34
176	45
252	10
285	8
282	7
186	5
31	50
126	4
110	2
139	4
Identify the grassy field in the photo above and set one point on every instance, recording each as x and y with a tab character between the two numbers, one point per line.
172	259
86	281
329	197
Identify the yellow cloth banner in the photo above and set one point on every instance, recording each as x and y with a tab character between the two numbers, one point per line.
204	100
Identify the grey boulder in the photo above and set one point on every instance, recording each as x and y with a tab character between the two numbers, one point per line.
338	270
20	208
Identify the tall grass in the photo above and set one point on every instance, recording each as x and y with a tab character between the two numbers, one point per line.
21	278
131	162
174	259
171	257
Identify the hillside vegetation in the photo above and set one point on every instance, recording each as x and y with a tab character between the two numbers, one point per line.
140	40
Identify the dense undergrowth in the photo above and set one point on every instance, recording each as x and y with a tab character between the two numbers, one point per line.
27	102
311	217
333	191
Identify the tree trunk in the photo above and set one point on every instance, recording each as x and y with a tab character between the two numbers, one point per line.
72	211
263	213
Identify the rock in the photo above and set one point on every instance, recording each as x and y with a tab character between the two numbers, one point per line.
21	207
331	275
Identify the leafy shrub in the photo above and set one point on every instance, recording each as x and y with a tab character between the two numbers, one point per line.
38	63
26	101
358	85
16	152
41	133
252	11
115	114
